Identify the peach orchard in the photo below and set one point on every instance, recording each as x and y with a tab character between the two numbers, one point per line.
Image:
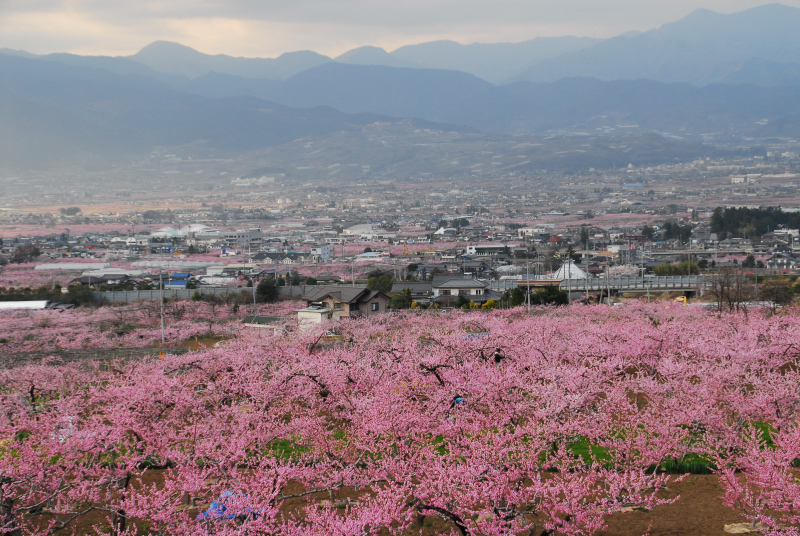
498	423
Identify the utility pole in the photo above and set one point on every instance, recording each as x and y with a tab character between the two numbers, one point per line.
586	282
755	269
161	294
689	264
528	285
569	279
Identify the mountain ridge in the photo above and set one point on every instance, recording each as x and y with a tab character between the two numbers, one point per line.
758	46
369	55
173	58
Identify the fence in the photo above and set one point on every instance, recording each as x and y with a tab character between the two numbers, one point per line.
127	296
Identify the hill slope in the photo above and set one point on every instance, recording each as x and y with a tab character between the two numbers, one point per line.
52	113
522	108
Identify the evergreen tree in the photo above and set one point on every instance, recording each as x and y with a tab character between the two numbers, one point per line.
266	290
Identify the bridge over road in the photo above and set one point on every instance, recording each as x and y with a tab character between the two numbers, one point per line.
614	285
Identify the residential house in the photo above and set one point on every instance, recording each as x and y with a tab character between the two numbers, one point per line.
447	289
348	301
783	261
280	258
328	279
486	250
479	269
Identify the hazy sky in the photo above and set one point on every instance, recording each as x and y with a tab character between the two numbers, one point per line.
269	27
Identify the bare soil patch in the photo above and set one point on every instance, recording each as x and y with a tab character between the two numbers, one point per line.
698	512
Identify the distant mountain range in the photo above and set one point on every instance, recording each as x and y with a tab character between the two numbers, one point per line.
65	106
759	46
497	63
51	111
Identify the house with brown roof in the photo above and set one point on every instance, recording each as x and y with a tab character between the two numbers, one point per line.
348	301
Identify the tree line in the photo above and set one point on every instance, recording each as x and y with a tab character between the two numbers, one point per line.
750	222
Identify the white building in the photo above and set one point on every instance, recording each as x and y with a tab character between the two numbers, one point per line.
244	238
358	230
195	228
321	253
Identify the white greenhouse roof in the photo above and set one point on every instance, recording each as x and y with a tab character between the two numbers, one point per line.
9	305
73	266
569	270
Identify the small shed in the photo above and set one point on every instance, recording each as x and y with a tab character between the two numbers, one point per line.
314	315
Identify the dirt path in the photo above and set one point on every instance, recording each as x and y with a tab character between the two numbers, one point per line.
698	512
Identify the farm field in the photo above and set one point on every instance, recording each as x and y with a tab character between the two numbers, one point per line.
642	419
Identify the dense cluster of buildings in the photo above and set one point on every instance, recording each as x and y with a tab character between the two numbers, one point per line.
477	246
444	237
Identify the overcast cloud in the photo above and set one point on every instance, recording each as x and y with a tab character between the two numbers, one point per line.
268	28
